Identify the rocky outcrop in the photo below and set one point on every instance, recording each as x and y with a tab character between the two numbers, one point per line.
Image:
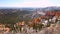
53	29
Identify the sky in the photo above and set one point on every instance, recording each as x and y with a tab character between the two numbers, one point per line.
29	3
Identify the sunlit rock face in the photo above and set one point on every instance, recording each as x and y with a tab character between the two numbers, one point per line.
53	29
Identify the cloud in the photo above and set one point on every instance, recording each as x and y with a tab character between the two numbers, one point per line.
30	3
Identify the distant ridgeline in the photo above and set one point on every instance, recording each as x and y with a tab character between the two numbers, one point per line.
13	15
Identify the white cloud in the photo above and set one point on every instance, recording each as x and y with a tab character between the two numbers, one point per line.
30	3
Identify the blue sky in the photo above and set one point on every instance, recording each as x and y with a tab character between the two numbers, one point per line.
29	3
